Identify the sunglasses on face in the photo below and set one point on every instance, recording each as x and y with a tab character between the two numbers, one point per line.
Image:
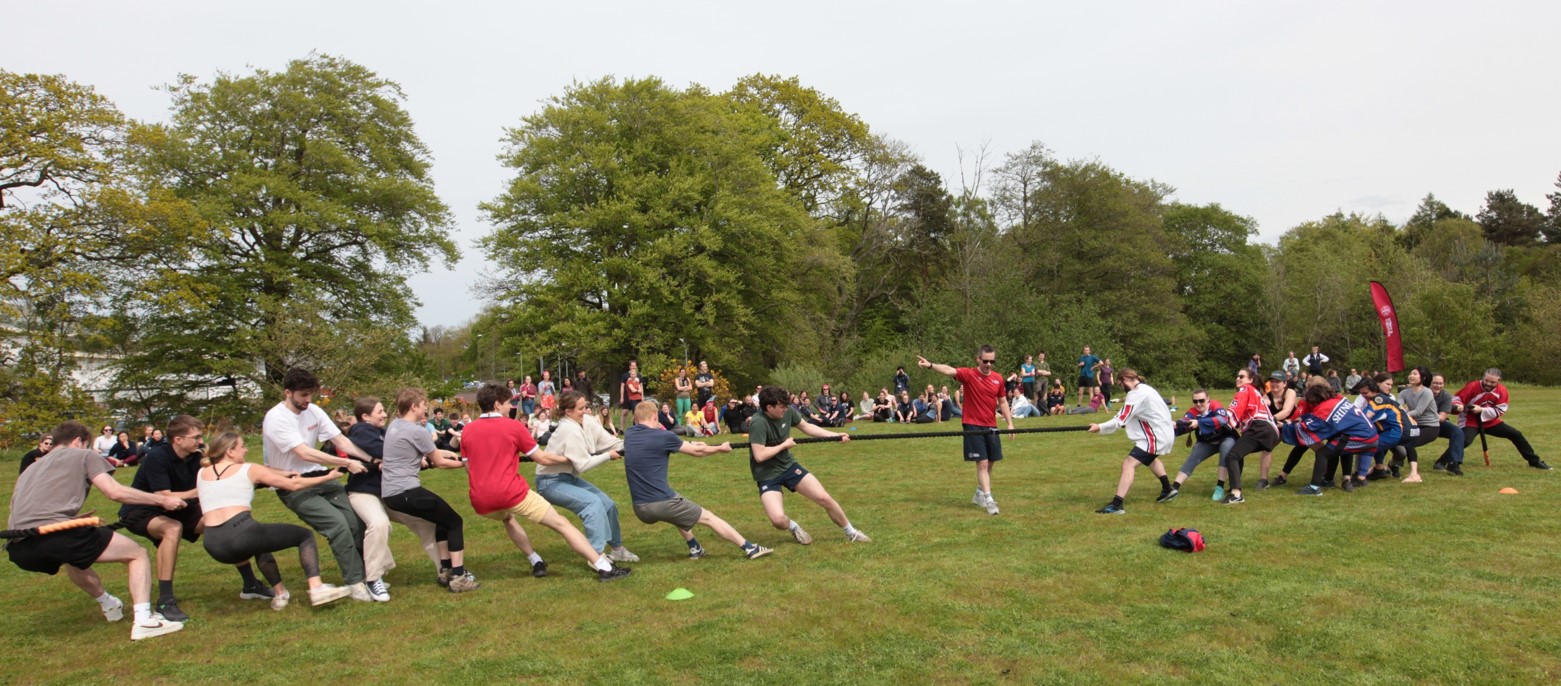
1200	402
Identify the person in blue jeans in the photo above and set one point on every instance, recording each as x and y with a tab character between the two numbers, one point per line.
581	438
1021	406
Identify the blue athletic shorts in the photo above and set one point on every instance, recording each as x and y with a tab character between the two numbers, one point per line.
790	480
982	446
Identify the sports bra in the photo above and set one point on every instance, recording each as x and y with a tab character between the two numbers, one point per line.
234	491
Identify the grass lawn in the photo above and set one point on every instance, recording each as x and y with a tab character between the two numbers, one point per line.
1442	582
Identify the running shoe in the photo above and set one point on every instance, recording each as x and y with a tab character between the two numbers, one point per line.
1262	484
622	554
858	537
327	593
256	591
1168	496
280	601
156	625
1310	489
1349	485
171	612
1539	464
463	583
1219	494
1111	509
613	574
1280	480
757	552
978	499
114	612
696	552
1235	500
1455	469
990	505
801	535
538	570
378	590
360	592
1440	466
445	573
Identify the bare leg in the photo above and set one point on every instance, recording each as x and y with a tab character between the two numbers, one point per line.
775	508
576	540
86	580
518	536
1125	482
811	489
169	531
138	568
984	476
719	526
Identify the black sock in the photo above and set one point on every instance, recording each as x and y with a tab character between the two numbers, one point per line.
444	564
1177	485
693	543
1220	483
164	590
247	571
458	571
1165	483
1116	500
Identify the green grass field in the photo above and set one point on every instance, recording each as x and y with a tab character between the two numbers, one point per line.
1444	582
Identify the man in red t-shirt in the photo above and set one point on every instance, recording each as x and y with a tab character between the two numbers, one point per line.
984	397
1484	403
493	445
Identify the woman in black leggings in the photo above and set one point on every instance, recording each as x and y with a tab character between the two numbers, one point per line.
226	487
408	449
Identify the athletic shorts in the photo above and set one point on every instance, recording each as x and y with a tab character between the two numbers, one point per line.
629	404
78	548
790	480
533	507
136	520
982	446
679	512
1144	457
1087	382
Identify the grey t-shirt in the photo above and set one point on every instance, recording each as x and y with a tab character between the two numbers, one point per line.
1444	401
405	445
1419	403
54	488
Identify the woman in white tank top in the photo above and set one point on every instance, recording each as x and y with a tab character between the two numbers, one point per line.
226	487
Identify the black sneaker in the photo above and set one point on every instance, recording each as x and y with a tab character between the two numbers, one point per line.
256	591
1377	474
1394	469
1280	480
1262	484
1454	469
1440	466
1111	509
1234	500
1310	489
613	574
539	569
1349	485
1539	464
171	612
1168	496
696	552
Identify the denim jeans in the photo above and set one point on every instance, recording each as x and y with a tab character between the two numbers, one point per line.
597	512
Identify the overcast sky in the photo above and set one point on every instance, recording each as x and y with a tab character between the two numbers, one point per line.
1284	112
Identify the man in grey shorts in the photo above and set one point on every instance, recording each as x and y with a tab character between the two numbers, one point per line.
646	451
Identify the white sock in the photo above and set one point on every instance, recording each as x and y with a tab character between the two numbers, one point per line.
143	612
792	524
106	601
849	529
534	558
603	564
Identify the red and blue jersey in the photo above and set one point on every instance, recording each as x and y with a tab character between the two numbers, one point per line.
1333	419
1388	416
1212	426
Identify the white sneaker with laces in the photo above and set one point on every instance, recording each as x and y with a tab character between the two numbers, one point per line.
802	536
327	593
280	601
115	612
990	505
858	537
622	554
154	626
360	592
979	498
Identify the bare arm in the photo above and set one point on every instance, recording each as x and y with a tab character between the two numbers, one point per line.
308	454
939	368
444	459
1008	415
287	481
762	453
821	432
704	449
121	493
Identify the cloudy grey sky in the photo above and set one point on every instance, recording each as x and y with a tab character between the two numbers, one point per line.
1281	111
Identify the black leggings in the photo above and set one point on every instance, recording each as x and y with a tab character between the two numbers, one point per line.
241	538
1503	431
1259	436
1296	453
1426	436
424	504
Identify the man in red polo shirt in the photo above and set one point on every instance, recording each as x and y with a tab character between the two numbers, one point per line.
984	397
493	445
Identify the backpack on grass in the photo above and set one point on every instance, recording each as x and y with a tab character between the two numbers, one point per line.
1187	540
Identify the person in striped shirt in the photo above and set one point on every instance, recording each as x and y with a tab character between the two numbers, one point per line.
1148	422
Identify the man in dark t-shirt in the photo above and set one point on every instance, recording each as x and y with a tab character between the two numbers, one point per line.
45	444
704	384
646	451
770	461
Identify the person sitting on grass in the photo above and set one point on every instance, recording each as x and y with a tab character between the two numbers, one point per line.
1020	405
883	406
864	407
694	422
1148	422
646	451
226	488
670	422
53	491
773	468
493	446
1057	399
905	410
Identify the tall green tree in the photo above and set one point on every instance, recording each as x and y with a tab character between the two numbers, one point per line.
1421	223
317	204
1510	221
1552	228
1220	279
642	218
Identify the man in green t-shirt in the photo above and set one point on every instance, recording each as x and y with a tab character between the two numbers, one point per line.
769	457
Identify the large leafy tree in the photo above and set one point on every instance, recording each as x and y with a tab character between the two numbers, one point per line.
1221	280
643	218
317	203
1510	221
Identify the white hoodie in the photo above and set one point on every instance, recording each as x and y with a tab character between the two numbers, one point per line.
1147	419
586	446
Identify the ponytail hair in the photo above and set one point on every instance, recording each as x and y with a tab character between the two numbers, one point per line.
218	448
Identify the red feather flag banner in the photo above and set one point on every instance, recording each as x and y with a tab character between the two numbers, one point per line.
1390	332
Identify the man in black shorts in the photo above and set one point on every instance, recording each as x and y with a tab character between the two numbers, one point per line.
646	451
984	399
769	459
169	469
53	491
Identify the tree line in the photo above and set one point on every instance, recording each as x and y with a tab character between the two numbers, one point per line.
273	219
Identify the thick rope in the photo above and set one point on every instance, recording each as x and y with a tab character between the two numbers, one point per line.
930	434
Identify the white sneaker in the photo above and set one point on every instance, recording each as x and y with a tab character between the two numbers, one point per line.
979	498
154	626
360	592
115	612
802	536
327	593
379	590
280	601
990	505
858	537
622	554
